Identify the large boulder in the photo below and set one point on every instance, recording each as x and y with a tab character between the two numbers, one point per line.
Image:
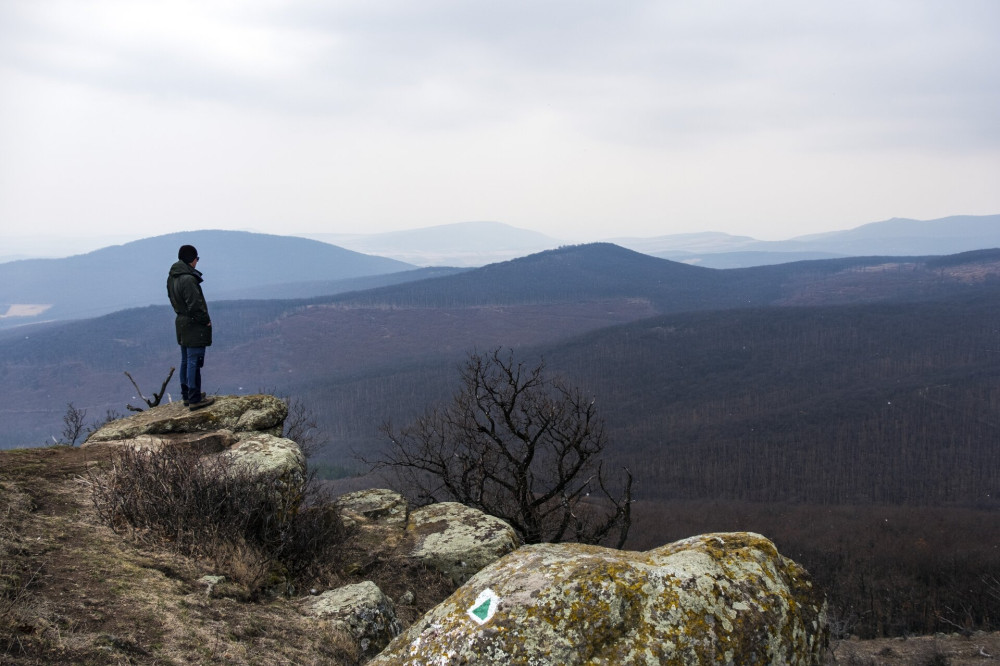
376	506
362	611
458	540
237	414
269	455
711	599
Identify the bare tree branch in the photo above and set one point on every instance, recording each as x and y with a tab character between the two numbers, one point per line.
150	402
518	445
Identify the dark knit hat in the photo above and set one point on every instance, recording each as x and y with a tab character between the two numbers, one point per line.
187	253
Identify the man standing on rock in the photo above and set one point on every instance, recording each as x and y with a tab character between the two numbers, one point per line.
194	326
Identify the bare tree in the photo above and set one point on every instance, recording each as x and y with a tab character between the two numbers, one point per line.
74	421
518	445
150	402
302	428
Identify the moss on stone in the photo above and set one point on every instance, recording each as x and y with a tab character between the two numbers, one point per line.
712	599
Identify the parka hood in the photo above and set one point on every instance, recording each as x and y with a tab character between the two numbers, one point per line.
180	268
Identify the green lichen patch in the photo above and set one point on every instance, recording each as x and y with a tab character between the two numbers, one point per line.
458	540
712	599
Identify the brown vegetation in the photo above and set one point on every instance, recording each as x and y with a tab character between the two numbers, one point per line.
269	534
73	591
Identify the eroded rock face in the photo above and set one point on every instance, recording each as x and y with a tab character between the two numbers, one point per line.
363	611
268	454
199	442
246	413
245	429
458	540
712	599
377	506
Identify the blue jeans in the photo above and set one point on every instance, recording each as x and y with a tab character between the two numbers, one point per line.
192	359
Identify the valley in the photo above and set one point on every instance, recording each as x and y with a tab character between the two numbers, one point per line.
843	407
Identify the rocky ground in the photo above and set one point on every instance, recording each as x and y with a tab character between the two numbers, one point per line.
72	591
941	650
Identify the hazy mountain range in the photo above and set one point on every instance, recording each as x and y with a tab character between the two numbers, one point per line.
473	244
468	244
247	265
236	265
858	379
895	237
480	243
802	399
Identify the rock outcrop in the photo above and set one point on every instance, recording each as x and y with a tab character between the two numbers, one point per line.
377	506
450	538
269	455
360	610
711	599
246	429
236	414
457	540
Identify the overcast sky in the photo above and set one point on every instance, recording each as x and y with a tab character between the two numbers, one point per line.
580	119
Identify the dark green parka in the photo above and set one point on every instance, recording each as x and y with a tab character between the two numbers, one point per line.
184	289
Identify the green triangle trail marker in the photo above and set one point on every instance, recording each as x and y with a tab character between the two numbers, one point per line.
484	607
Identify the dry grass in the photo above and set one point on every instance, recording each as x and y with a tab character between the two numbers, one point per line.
74	591
270	533
940	650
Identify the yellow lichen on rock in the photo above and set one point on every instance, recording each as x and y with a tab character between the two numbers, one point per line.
712	599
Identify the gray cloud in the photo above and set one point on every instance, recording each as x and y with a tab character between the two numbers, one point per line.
628	87
910	71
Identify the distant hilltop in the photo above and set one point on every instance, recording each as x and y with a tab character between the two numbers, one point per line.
477	243
244	265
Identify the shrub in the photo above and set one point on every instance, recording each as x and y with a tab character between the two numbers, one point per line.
264	532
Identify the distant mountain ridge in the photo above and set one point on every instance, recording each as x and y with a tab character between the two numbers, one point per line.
590	272
407	337
474	244
894	237
134	274
603	271
464	244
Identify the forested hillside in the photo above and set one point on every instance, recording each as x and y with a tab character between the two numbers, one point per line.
798	400
750	384
846	404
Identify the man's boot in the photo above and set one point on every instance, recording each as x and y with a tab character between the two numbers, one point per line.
202	401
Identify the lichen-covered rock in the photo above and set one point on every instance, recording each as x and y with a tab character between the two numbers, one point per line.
711	599
244	429
377	506
248	413
363	611
269	455
458	540
200	442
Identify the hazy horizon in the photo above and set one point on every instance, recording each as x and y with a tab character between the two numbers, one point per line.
580	121
53	246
